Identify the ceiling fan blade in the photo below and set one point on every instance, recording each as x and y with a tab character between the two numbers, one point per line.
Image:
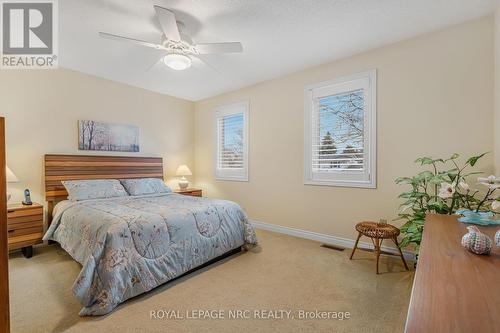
168	23
206	63
132	40
153	65
214	48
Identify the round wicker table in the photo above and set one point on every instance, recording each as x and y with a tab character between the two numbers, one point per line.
378	232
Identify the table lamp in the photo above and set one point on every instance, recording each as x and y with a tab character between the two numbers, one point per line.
11	178
183	171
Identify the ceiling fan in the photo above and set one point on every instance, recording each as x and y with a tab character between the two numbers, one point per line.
179	47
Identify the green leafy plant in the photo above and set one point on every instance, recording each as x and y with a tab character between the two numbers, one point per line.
441	188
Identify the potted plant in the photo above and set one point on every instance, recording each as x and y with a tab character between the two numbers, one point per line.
443	189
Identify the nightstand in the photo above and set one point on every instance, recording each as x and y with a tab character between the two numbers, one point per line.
25	227
194	192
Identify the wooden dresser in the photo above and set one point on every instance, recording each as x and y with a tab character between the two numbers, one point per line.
194	192
25	227
454	290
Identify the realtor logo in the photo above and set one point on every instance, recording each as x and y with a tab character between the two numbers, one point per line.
29	34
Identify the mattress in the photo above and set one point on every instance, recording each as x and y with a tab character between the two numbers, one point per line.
130	245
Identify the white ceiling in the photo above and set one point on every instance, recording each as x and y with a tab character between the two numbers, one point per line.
278	36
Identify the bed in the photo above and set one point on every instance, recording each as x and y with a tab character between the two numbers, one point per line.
129	245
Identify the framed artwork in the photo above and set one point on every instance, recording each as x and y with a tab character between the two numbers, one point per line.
94	135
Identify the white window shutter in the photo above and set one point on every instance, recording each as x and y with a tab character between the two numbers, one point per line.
231	158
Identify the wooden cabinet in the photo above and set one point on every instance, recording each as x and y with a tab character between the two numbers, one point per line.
194	192
454	290
24	227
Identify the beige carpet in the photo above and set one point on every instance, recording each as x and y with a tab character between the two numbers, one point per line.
284	273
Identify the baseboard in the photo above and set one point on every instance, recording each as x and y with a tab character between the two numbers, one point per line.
326	239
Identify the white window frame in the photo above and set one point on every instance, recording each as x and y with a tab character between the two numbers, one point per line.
368	179
223	111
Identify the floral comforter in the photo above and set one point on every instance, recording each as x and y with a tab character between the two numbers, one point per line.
130	245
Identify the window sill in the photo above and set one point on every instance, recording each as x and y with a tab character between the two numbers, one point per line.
352	184
232	179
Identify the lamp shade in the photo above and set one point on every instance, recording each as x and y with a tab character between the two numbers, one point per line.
11	177
183	170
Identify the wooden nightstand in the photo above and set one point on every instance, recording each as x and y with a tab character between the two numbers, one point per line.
194	192
25	227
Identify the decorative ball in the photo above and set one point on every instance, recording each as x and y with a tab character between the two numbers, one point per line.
497	238
476	242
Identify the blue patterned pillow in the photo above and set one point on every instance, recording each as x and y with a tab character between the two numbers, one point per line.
94	189
143	186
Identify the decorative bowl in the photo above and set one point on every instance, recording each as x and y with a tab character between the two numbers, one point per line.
479	218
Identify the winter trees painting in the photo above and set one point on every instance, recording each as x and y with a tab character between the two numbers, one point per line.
95	135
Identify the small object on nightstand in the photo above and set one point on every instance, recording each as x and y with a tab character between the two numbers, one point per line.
183	171
194	192
25	227
27	198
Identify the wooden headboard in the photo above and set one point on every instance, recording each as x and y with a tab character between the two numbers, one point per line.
78	167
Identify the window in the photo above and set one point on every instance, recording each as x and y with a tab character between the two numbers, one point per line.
340	132
232	142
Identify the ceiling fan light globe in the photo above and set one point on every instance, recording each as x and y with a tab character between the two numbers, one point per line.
177	62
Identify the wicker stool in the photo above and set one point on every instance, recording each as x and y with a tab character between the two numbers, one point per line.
378	232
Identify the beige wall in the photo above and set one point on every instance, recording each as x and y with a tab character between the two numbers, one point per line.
435	97
42	109
497	90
